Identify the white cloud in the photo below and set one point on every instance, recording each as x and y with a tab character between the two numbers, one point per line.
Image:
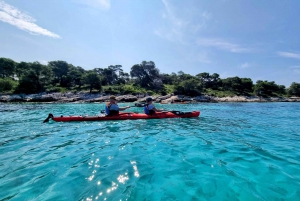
222	45
177	25
104	3
295	69
13	16
289	55
173	31
99	4
245	65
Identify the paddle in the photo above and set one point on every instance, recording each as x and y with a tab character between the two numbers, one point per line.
139	105
50	116
142	105
173	111
135	105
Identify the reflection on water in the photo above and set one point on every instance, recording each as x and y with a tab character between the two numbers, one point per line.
244	151
136	172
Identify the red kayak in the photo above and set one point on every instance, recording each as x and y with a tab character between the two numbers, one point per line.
125	116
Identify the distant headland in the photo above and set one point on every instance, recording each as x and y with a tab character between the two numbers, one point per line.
59	81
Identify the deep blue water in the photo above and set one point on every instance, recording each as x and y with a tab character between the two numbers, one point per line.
234	151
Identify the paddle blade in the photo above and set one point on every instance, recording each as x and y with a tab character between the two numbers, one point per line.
48	118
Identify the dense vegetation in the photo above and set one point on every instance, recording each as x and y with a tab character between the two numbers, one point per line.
60	76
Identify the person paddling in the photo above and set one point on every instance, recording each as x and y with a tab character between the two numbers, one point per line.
149	108
112	108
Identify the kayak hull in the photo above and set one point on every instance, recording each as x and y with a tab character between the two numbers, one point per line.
128	116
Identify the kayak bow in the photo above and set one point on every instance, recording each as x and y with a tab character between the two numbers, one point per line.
126	116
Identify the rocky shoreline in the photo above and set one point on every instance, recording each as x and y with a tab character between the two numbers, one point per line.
83	97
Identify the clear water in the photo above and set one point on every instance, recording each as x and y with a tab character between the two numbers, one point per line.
234	151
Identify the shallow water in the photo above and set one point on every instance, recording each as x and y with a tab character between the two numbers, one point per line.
234	151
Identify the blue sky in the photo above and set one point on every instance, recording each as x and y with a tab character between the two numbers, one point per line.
255	39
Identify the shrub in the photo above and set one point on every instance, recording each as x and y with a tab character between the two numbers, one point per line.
56	89
7	84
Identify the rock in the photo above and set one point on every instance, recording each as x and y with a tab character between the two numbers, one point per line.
161	98
127	98
170	99
144	99
43	98
202	98
178	98
97	97
12	98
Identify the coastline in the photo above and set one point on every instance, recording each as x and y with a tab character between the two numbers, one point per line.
83	97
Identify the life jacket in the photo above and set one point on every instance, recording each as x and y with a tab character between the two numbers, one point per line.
110	112
147	111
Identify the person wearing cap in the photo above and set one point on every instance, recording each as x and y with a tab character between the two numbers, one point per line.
149	108
112	108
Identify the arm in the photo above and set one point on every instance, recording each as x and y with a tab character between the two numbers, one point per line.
157	110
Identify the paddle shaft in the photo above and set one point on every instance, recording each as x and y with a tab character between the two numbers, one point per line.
143	105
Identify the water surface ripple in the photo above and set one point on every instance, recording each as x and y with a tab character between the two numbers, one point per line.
234	151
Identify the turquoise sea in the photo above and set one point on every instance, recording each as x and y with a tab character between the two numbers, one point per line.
234	151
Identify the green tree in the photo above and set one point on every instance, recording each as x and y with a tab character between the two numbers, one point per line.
123	78
191	87
247	85
294	89
29	83
184	76
109	75
7	84
166	79
281	89
266	88
145	73
22	68
36	79
204	78
209	81
60	70
233	84
45	75
93	80
175	78
239	85
137	72
75	76
7	67
215	81
116	68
